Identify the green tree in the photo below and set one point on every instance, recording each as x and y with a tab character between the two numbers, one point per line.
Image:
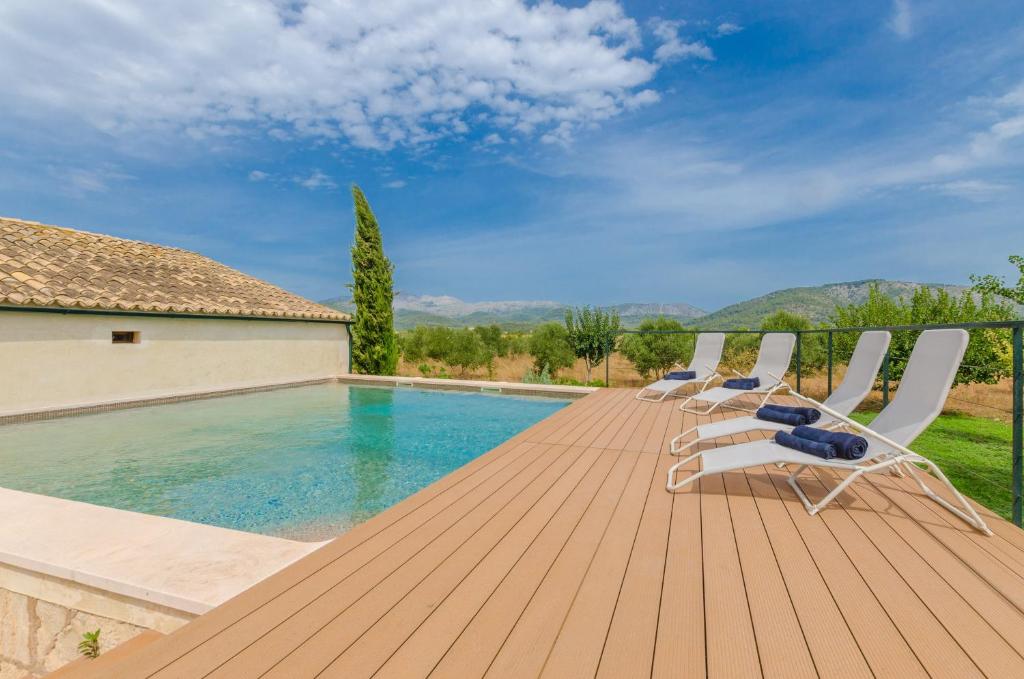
592	334
995	285
988	353
813	346
518	344
494	338
653	349
550	348
374	345
466	351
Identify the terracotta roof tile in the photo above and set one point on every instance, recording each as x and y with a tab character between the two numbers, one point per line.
51	266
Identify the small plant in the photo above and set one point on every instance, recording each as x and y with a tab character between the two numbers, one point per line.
543	377
424	369
89	646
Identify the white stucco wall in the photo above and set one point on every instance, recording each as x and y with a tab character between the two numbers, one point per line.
53	360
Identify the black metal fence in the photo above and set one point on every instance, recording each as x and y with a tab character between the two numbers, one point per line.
1016	412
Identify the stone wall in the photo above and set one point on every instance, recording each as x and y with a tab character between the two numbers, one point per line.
37	637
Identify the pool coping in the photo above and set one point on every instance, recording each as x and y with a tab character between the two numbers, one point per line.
182	565
484	386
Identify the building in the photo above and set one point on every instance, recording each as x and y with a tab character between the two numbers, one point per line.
92	320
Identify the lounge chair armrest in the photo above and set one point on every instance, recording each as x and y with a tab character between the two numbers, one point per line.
780	383
713	374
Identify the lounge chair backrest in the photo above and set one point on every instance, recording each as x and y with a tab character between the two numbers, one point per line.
707	354
861	372
773	357
925	385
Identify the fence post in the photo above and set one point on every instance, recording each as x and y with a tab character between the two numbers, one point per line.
1018	422
885	380
607	357
829	362
799	357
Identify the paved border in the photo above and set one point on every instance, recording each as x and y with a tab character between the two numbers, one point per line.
509	388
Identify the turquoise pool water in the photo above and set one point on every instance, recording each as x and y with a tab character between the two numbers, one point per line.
305	463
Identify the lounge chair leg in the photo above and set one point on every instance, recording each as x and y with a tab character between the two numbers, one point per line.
672	487
791	480
812	507
698	412
965	511
672	446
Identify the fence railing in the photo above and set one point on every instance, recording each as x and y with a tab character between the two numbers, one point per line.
1016	412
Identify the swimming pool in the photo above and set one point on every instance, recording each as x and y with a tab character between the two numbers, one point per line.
305	463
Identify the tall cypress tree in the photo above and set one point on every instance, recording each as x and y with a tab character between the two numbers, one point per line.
374	346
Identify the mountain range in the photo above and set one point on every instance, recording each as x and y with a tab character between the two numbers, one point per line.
816	303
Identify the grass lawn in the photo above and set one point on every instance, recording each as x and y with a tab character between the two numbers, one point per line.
974	453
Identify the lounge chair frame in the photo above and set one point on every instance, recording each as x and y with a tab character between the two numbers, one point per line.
860	377
900	459
920	404
764	367
709	362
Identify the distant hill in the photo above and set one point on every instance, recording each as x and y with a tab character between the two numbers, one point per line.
413	310
815	303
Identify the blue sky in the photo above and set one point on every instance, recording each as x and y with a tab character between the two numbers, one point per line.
586	152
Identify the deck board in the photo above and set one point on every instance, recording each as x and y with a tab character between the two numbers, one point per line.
559	553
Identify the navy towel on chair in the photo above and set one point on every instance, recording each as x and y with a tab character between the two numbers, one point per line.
771	415
823	450
848	446
681	375
803	415
746	383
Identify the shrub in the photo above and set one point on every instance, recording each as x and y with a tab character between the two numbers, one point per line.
518	344
654	351
532	377
549	346
493	338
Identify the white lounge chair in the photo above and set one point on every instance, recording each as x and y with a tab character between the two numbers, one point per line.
772	361
860	378
706	354
922	392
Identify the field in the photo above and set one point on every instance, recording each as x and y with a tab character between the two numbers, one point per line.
987	401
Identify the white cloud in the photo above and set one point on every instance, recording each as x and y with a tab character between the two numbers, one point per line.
679	181
901	20
316	180
673	47
392	72
396	184
975	190
258	176
76	181
727	28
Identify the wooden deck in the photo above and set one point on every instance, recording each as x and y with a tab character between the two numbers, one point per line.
560	554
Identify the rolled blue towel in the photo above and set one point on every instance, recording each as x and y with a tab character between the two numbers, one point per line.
681	375
825	451
848	446
782	417
810	415
746	383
